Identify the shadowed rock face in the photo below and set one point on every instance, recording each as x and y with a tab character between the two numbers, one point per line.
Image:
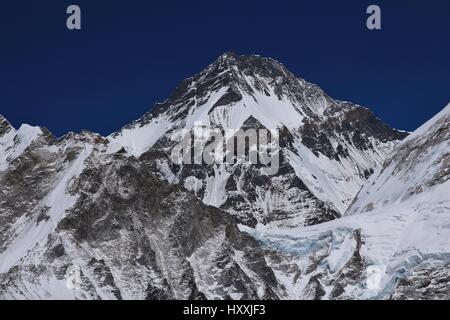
424	282
26	182
128	235
162	223
228	71
310	266
355	126
5	127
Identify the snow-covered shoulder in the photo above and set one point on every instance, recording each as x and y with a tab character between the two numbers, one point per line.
429	124
14	142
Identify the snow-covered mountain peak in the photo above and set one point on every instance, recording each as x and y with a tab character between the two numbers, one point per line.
333	146
225	94
253	74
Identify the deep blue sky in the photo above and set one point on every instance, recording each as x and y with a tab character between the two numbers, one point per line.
133	53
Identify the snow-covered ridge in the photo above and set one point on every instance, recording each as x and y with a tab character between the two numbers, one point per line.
14	142
420	164
429	124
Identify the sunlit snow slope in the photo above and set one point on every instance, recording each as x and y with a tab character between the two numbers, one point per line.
402	222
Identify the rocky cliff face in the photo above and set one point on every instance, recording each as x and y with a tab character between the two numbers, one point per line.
78	223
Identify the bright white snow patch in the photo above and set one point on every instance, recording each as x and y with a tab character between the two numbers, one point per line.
137	140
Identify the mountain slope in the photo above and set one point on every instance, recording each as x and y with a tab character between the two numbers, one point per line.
394	241
13	142
89	217
328	147
79	223
421	164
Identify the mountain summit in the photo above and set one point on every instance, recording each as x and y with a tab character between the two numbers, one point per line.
329	149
